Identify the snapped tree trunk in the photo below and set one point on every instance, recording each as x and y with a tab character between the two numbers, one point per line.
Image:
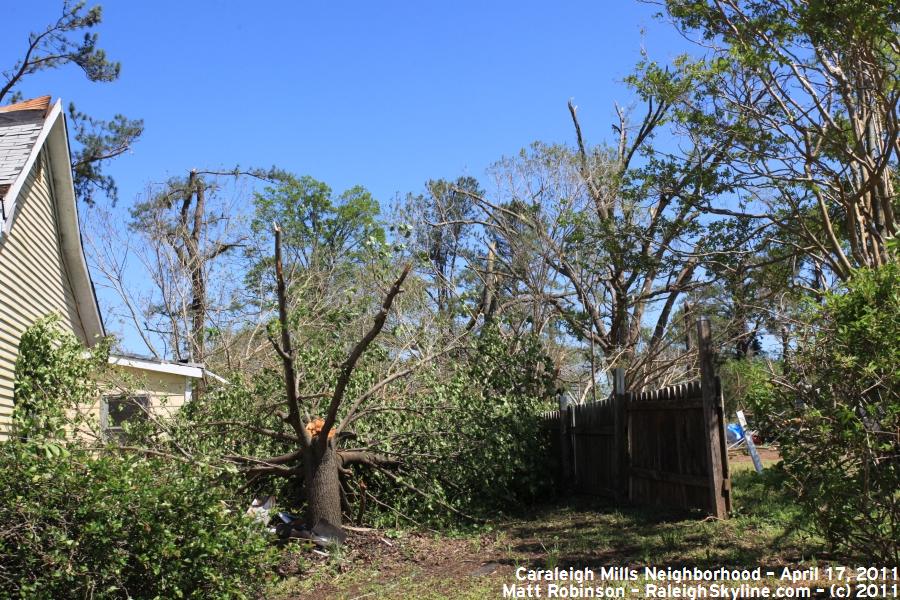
323	485
321	464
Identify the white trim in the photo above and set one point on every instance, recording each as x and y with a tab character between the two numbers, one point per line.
159	367
70	230
218	378
188	389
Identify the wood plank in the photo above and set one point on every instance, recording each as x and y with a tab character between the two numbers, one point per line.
593	430
723	446
681	478
655	405
711	421
619	458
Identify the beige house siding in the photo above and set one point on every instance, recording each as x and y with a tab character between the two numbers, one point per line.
167	392
158	385
33	278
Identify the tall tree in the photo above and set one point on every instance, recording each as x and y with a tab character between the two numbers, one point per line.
609	237
321	463
324	233
188	228
805	95
56	46
445	212
753	281
332	244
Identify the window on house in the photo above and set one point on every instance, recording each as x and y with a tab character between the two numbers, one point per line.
119	409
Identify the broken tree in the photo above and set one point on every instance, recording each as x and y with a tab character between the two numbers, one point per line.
317	459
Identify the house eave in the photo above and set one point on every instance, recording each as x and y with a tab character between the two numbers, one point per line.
185	370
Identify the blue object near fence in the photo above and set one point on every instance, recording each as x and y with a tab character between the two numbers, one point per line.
734	433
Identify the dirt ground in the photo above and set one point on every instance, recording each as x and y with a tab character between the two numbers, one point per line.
579	532
768	454
409	565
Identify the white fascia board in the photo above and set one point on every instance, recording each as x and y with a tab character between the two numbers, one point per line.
218	378
70	229
159	367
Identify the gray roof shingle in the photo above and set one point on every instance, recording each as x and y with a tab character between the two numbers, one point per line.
19	131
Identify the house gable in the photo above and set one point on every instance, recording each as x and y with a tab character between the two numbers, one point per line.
42	267
42	263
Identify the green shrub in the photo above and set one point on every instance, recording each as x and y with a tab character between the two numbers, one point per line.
746	383
114	526
838	417
54	374
107	522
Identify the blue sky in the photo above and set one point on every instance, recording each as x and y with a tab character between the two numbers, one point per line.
382	94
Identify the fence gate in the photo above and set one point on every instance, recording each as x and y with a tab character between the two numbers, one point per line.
664	447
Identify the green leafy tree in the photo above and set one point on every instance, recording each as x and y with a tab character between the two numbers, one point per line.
836	413
348	408
608	239
755	285
98	141
451	443
805	97
326	236
470	448
444	216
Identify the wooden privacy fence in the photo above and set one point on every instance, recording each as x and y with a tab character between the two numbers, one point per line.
664	446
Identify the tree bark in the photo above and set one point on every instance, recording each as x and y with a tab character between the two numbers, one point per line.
323	486
197	187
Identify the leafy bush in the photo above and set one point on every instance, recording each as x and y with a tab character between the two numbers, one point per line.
54	375
472	444
82	522
746	383
838	414
113	526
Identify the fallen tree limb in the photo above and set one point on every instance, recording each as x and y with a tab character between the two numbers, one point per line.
413	488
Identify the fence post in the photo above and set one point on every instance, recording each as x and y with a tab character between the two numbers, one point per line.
565	451
573	459
620	437
711	420
726	471
563	455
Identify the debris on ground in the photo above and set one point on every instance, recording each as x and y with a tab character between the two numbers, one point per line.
260	508
322	535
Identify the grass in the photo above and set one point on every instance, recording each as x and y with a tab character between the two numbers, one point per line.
763	531
368	583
